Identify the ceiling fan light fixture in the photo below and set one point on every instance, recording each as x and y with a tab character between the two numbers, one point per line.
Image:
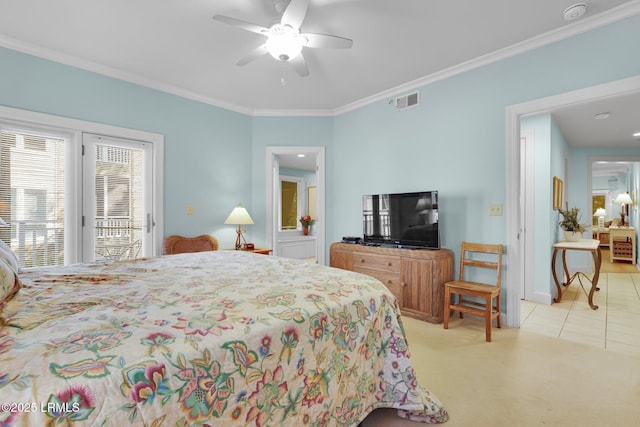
284	44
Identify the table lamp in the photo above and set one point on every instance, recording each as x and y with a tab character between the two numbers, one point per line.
624	200
600	213
239	216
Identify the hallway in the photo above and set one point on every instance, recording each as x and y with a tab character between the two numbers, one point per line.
612	327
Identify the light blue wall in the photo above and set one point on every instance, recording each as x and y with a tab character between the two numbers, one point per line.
550	149
206	148
454	141
283	131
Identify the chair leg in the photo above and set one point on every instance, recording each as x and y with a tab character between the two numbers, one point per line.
498	310
447	309
488	305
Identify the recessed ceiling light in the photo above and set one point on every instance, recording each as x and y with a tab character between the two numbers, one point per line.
300	155
636	135
601	116
574	12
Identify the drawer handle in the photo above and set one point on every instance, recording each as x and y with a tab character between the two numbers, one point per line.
403	284
389	264
362	260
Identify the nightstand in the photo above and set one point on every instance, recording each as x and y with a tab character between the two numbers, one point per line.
263	251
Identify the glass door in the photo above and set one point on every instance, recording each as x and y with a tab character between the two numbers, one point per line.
117	199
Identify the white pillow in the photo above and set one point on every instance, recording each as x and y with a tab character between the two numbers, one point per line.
9	256
9	282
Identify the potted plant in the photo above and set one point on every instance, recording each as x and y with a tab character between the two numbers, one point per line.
571	225
306	221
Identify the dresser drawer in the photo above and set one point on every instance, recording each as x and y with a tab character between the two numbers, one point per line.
384	263
391	281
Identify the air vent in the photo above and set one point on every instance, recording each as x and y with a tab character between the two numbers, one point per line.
407	101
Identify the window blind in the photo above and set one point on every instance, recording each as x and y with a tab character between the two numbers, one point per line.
32	196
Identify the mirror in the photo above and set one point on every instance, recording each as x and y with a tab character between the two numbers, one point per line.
609	178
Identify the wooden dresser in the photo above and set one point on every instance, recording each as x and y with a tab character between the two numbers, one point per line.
416	277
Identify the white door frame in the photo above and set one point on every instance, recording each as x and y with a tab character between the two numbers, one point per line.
90	143
76	127
527	189
514	256
273	181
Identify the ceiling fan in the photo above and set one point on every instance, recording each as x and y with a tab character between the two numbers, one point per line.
284	40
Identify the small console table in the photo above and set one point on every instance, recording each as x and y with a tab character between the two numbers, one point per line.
590	245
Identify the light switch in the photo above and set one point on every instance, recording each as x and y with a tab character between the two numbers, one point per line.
189	209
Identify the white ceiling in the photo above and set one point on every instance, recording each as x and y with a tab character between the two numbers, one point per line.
399	45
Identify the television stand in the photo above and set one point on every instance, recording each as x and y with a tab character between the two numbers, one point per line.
388	245
416	278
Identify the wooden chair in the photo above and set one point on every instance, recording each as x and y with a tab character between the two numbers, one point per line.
482	256
178	244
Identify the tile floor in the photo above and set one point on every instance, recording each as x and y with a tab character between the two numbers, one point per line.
615	326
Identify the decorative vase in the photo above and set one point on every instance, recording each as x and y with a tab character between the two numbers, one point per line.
305	230
572	236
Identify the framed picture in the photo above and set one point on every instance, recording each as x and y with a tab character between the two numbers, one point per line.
557	193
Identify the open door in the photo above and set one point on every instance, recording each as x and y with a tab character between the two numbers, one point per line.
273	200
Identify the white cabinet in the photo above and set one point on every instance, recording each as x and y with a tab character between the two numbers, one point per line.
301	248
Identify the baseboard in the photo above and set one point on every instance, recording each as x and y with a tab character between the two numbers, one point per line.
541	298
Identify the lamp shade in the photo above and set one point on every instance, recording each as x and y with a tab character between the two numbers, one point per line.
239	215
623	199
600	212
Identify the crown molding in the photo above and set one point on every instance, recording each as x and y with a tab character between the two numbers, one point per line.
586	24
95	67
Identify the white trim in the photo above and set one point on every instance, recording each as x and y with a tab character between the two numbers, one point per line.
76	127
583	25
116	73
527	245
541	298
513	115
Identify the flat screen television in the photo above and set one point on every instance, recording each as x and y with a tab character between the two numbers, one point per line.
403	220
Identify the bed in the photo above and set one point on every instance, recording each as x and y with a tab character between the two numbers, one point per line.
212	338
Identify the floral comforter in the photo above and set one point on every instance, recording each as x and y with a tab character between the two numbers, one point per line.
214	338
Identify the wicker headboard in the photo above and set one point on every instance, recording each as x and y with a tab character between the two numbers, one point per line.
179	244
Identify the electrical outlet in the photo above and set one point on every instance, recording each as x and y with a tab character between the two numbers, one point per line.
189	209
495	209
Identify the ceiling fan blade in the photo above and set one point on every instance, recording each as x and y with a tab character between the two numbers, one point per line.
300	65
253	55
241	24
294	14
324	40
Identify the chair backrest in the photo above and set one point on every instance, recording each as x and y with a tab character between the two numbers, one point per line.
470	257
178	244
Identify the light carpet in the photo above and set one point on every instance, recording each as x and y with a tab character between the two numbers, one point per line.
520	379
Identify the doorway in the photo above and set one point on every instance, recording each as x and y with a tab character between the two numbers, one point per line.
117	198
274	155
515	239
